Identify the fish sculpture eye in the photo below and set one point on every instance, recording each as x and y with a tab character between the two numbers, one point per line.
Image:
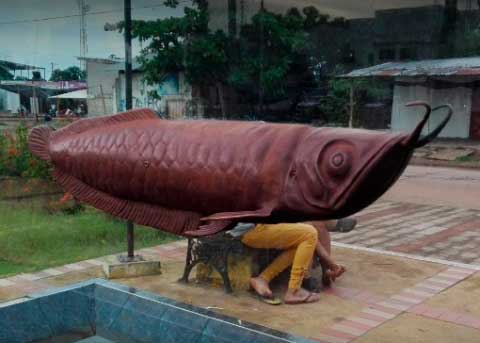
338	158
339	164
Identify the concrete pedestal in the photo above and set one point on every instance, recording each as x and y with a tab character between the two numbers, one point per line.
118	267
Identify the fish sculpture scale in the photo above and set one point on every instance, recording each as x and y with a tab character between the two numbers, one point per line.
197	177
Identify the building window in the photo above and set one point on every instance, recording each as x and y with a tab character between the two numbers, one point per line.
408	54
386	55
371	59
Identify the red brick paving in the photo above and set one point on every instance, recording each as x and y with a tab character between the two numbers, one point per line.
470	223
430	231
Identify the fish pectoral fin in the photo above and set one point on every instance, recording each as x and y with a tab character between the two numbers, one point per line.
264	212
209	228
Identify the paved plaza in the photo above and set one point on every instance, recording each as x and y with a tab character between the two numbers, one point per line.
434	231
381	298
413	274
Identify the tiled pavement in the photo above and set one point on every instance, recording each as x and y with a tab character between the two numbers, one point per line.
32	282
378	311
375	309
440	232
431	231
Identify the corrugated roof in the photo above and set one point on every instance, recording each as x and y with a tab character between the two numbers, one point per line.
17	66
65	86
468	66
112	60
80	94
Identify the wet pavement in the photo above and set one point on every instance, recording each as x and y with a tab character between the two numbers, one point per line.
452	187
381	298
433	231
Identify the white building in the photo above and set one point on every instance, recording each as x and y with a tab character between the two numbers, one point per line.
106	90
453	81
169	98
9	101
101	76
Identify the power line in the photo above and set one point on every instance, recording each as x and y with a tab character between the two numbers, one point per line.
36	20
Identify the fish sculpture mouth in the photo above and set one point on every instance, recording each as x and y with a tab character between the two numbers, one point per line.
390	161
415	141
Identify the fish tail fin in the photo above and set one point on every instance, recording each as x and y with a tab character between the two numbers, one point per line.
39	142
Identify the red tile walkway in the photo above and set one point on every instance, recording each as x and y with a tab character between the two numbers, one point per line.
441	232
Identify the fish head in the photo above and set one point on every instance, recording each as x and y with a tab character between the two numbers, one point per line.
337	172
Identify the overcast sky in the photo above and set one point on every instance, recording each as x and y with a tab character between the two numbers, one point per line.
57	40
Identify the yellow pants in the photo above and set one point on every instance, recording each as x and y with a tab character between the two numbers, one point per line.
298	242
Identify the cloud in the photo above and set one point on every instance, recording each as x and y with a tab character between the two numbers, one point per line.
58	41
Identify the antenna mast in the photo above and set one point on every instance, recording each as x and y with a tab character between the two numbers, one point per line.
84	8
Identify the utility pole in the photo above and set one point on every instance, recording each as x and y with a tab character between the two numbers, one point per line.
128	54
262	42
128	103
232	18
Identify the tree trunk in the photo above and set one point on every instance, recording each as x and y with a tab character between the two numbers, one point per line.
221	98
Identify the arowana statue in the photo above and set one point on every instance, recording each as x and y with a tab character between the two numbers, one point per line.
196	177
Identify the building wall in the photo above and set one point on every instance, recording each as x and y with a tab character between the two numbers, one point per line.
9	101
407	118
174	94
101	75
475	119
245	10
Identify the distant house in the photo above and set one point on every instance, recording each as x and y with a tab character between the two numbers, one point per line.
101	76
169	97
453	81
10	100
106	89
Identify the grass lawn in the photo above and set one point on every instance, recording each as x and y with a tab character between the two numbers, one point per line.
32	239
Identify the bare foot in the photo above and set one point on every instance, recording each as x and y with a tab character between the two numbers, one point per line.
331	274
300	296
260	286
337	271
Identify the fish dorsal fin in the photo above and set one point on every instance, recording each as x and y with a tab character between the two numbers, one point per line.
89	123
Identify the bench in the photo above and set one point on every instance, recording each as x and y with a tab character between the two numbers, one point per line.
222	258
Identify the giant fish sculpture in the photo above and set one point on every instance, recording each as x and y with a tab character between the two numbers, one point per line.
196	177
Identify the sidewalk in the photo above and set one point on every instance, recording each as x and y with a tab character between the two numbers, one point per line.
411	276
381	298
449	153
430	231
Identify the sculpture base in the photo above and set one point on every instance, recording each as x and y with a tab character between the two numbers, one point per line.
240	269
122	266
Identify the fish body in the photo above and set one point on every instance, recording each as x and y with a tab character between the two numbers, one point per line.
180	175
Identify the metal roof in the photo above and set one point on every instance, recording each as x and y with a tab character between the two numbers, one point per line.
468	66
42	88
77	95
17	66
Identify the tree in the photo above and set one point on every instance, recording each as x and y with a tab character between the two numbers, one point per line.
255	63
69	74
269	49
36	76
183	44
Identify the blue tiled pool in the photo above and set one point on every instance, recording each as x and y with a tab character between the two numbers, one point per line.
99	311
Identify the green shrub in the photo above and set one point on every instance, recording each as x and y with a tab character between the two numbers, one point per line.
16	159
